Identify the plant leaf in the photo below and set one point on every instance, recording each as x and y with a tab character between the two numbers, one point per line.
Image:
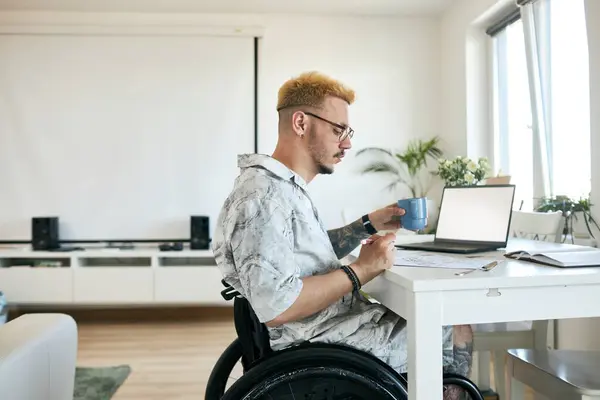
392	185
589	228
397	182
374	150
592	220
381	166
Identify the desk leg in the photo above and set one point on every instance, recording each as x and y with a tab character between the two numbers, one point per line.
424	346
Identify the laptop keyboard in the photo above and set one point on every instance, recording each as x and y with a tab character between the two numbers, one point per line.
454	246
457	246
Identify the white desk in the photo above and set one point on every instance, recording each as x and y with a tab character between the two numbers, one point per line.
429	298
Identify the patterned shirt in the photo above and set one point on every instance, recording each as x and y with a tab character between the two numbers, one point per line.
268	237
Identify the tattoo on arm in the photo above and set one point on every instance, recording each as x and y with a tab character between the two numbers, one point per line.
461	364
463	358
347	238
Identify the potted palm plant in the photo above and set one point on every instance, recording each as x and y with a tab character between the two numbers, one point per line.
405	168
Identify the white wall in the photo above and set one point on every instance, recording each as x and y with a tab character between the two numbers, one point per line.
465	104
392	63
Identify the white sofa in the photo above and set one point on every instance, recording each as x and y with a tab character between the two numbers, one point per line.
38	354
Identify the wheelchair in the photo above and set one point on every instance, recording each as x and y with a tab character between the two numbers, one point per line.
307	371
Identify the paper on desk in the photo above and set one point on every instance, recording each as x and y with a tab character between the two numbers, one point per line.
436	260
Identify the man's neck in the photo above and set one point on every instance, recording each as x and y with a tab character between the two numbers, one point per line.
295	163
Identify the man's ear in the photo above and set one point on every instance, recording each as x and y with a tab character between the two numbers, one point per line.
299	123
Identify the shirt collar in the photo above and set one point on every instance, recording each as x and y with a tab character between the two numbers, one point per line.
272	165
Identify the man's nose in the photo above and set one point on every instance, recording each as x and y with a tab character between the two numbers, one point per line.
346	144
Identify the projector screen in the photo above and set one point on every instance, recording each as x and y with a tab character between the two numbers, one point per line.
121	137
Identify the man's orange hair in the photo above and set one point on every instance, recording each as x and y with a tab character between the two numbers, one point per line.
311	89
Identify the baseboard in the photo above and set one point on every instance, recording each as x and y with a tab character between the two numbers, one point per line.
126	314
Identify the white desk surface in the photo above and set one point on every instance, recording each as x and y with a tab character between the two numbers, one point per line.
509	273
513	291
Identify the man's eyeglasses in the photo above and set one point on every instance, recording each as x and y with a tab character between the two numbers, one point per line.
346	131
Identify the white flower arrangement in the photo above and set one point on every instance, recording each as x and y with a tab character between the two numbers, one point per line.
462	171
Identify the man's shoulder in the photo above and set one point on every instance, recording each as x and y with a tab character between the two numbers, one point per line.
256	189
255	199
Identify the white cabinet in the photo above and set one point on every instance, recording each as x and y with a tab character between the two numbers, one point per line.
111	277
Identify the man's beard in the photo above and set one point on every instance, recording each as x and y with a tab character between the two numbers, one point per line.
324	169
318	155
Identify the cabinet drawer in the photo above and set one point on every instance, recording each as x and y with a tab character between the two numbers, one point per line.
188	285
27	285
107	285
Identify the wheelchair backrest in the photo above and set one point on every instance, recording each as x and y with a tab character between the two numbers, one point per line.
253	335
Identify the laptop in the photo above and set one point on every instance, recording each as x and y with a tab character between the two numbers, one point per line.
472	219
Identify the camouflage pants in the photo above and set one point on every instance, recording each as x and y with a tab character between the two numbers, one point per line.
396	353
387	339
457	349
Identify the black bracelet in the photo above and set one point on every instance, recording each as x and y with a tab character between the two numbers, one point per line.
353	277
368	225
358	284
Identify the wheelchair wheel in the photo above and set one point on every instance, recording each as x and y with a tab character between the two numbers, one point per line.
319	371
220	373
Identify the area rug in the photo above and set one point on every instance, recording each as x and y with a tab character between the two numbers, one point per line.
99	383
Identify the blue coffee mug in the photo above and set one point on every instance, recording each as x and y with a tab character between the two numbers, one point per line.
415	213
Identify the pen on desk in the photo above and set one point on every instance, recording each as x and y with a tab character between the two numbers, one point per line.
364	242
489	266
486	267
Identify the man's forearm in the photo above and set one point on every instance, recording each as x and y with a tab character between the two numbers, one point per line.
347	238
318	292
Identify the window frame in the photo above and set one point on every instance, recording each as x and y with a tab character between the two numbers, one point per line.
498	98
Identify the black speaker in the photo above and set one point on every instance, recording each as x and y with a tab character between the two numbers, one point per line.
199	232
44	233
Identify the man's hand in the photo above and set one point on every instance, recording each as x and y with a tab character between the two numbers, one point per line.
387	218
375	256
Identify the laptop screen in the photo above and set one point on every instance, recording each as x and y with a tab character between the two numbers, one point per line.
476	213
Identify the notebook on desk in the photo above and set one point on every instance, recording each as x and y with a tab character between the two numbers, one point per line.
472	219
562	258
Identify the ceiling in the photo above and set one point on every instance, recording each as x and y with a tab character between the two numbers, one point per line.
338	7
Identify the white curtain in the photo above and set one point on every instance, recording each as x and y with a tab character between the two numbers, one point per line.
536	25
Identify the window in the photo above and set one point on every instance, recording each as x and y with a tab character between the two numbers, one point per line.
555	68
514	136
570	99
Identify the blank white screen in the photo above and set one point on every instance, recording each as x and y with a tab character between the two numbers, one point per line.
122	137
475	214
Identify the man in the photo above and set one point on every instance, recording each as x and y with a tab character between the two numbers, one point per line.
271	245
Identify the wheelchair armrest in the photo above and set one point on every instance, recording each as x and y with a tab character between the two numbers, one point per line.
228	293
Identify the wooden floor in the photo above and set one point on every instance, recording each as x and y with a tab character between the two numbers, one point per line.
169	360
